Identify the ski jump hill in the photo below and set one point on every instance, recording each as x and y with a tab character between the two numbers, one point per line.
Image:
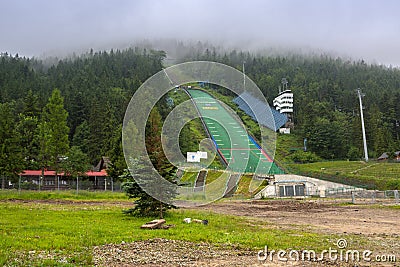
238	150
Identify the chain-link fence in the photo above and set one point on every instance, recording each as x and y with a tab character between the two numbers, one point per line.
366	196
61	183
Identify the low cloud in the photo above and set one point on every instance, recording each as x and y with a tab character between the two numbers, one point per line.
367	29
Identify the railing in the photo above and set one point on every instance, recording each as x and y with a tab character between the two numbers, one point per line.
64	183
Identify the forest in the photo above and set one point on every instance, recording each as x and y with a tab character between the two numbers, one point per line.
74	107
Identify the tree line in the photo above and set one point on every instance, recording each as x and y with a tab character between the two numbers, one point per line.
72	109
326	107
76	105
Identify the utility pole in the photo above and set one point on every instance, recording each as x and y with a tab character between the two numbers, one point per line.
244	77
360	96
284	84
166	74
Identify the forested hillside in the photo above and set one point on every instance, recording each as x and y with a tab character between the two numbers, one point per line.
326	103
95	88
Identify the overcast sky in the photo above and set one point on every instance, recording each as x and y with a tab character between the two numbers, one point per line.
368	29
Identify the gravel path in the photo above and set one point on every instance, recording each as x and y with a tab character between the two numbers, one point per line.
163	252
171	253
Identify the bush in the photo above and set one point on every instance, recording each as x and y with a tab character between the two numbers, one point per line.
353	153
304	157
29	186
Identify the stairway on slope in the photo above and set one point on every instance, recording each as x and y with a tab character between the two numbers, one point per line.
231	185
200	181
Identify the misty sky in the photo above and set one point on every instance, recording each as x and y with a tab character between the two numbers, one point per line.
368	29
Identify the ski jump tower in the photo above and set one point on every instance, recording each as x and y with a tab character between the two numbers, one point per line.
284	102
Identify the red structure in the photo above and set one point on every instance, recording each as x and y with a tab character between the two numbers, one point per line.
95	180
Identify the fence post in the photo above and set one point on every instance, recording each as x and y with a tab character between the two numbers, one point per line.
19	184
77	185
396	196
373	199
353	198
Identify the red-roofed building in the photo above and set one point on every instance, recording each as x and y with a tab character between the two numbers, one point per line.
93	180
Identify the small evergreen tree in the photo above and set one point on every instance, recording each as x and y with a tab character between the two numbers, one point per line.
143	172
143	179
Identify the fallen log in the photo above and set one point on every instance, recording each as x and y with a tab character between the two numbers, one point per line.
154	224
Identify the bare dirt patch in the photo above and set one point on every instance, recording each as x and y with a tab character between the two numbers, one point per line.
380	226
323	217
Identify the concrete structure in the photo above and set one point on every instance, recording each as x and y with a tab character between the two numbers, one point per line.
289	185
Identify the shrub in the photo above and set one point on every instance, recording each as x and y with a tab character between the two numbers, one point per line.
304	157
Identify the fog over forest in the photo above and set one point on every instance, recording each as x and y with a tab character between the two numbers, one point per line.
359	29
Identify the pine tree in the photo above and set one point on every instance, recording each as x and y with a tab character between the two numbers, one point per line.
52	134
75	164
27	128
11	161
144	182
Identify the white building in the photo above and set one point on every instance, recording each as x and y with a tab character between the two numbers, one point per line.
284	102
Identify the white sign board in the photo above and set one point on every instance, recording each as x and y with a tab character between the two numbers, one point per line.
196	156
202	155
193	157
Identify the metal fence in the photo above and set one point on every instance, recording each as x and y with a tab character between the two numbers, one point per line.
367	197
62	183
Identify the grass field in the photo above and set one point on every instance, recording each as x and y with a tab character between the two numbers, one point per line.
372	175
189	178
83	195
55	232
245	189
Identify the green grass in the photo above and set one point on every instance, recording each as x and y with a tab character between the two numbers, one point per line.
68	232
287	144
248	189
372	175
212	176
82	195
189	178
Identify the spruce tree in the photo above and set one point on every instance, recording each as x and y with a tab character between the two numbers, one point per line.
143	180
11	161
52	134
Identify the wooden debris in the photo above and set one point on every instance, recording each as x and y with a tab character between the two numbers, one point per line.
155	224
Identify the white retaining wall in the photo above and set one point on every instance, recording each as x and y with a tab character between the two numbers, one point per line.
313	186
